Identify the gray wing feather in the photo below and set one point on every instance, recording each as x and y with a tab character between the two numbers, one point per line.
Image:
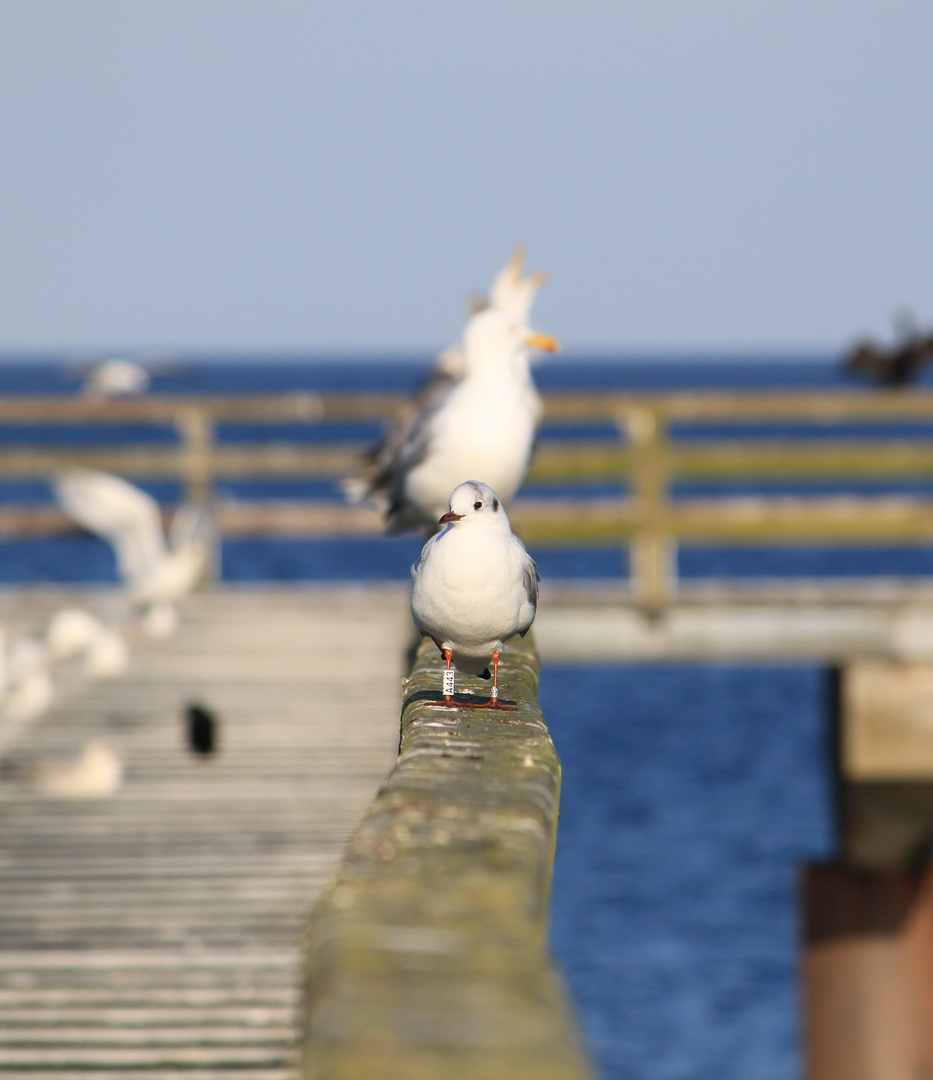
425	554
404	447
531	579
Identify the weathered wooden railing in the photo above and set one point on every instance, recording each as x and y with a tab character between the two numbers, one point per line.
647	458
428	957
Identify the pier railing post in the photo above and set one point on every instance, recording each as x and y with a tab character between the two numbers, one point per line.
196	430
653	550
868	916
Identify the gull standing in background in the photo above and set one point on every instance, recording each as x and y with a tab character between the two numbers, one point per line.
475	586
484	425
512	292
478	367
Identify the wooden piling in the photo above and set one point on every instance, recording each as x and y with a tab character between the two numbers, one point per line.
868	973
868	919
885	763
428	957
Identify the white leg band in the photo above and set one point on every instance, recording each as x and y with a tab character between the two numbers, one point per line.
448	682
494	693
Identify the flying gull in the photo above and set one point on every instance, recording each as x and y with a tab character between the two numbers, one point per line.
157	571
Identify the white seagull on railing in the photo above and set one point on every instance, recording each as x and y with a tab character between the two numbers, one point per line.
157	573
475	586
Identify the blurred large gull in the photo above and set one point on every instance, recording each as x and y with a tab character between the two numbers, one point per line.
484	425
475	586
512	293
156	572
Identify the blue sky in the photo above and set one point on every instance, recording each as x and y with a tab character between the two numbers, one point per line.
210	175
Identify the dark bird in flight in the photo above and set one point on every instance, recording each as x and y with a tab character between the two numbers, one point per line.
897	365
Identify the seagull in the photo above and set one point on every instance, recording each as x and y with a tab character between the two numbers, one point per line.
156	571
26	691
512	293
76	634
483	425
116	378
96	773
475	586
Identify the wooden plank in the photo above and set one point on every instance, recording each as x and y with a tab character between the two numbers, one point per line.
804	405
156	931
563	462
817	406
554	462
300	405
778	520
721	624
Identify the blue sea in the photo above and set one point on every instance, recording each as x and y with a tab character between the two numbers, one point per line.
692	793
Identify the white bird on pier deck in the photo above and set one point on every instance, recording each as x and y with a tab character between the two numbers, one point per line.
475	586
156	572
96	773
26	690
75	634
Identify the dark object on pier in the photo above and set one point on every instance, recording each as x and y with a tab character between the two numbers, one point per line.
202	729
896	366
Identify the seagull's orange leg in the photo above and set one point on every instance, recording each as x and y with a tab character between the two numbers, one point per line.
493	702
447	701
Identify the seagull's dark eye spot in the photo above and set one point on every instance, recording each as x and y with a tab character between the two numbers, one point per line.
495	505
477	506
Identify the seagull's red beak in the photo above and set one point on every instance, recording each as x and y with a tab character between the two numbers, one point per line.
448	517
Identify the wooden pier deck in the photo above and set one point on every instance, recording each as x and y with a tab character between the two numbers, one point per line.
159	932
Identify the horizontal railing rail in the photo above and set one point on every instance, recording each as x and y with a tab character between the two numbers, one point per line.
644	460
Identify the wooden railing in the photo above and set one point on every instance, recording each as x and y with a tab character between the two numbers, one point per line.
428	956
645	458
